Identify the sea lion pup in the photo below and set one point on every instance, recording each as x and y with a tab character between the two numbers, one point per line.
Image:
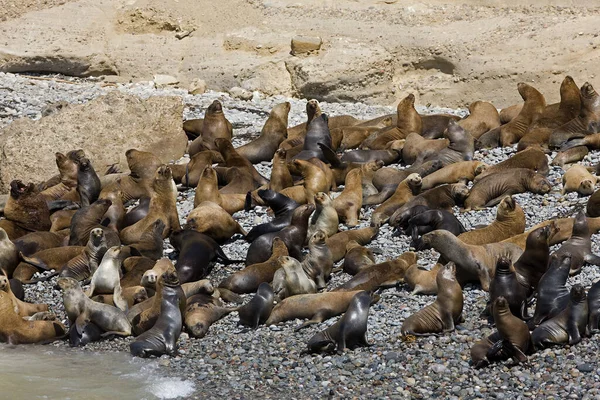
193	169
473	262
531	158
27	209
421	280
406	191
594	308
258	309
147	318
353	136
89	333
210	218
349	331
512	132
386	274
294	236
201	312
578	179
80	309
325	217
283	207
197	252
88	218
151	243
88	183
233	159
214	126
316	132
510	221
416	147
22	308
569	326
162	206
337	243
442	197
66	180
432	220
272	134
318	264
249	279
441	315
16	330
407	120
584	124
570	156
461	147
291	279
349	203
552	294
579	245
483	117
490	190
208	190
506	284
106	279
357	258
142	166
403	218
83	266
318	307
315	181
453	173
533	263
9	254
162	337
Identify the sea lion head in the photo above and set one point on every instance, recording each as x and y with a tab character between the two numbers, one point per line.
163	173
540	184
209	173
322	199
448	271
501	305
503	265
4	283
282	109
66	283
506	208
66	166
18	189
76	155
215	108
588	91
429	237
454	132
586	187
140	296
170	278
278	246
407	102
415	182
281	154
524	90
96	236
459	192
480	168
318	237
113	253
312	106
85	165
578	293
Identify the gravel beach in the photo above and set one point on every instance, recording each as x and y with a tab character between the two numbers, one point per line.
267	362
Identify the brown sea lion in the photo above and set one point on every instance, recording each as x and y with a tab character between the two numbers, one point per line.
578	179
453	173
417	147
490	190
314	181
114	216
88	218
272	134
281	177
563	226
193	169
444	313
26	208
593	205
483	117
509	113
49	259
318	263
570	156
421	280
211	219
325	218
368	172
349	203
353	136
510	221
532	158
214	126
151	242
133	295
208	190
67	178
357	258
85	264
337	243
233	159
38	241
22	308
134	269
406	190
9	254
201	312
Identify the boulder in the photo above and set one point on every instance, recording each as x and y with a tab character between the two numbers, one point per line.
270	78
198	86
105	128
305	44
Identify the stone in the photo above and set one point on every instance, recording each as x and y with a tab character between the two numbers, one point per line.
271	78
585	367
305	44
164	80
105	128
240	93
198	86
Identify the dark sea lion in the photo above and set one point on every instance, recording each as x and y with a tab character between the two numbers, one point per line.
196	253
441	315
113	218
531	158
293	236
533	263
318	263
316	132
593	205
16	286
249	279
579	245
87	333
387	156
233	159
258	309
349	203
572	155
421	280
510	221
201	312
162	337
88	218
272	134
136	213
569	326
483	117
313	110
337	243
402	218
453	173
26	208
490	190
357	258
210	218
283	208
506	284
88	183
578	179
594	308
214	126
145	320
552	294
349	331
432	220
85	264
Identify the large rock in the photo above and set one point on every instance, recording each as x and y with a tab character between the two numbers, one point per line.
105	128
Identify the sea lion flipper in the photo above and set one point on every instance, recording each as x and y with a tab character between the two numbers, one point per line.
330	156
514	352
495	349
593	259
36	262
80	323
319	317
573	331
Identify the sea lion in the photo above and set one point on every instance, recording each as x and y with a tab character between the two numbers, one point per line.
406	191
572	155
368	172
337	243
283	207
9	254
453	173
325	217
353	136
578	179
214	126
317	132
201	312
579	245
313	110
26	208
210	218
594	308
80	309
133	295
432	220
83	266
258	309
208	190
357	258
113	218
58	186
249	279
417	147
272	134
531	158
22	308
152	275
318	264
106	278
405	216
509	113
33	242
552	294
233	159
88	218
143	321
87	333
315	181
473	262
162	337
293	236
510	221
88	183
136	213
316	306
291	279
134	269
490	190
441	315
49	259
349	331
196	253
238	181
506	284
593	205
460	148
533	263
349	203
483	117
151	243
193	169
569	326
281	177
162	206
422	281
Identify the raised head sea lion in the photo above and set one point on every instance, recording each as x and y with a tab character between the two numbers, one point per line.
281	177
318	263
272	134
83	266
26	208
578	179
258	309
579	245
421	280
510	221
349	203
533	263
233	159
325	218
291	279
357	258
211	219
65	182
506	284
406	190
317	132
106	278
483	117
208	190
441	315
283	208
214	126
88	183
417	147
143	321
552	294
